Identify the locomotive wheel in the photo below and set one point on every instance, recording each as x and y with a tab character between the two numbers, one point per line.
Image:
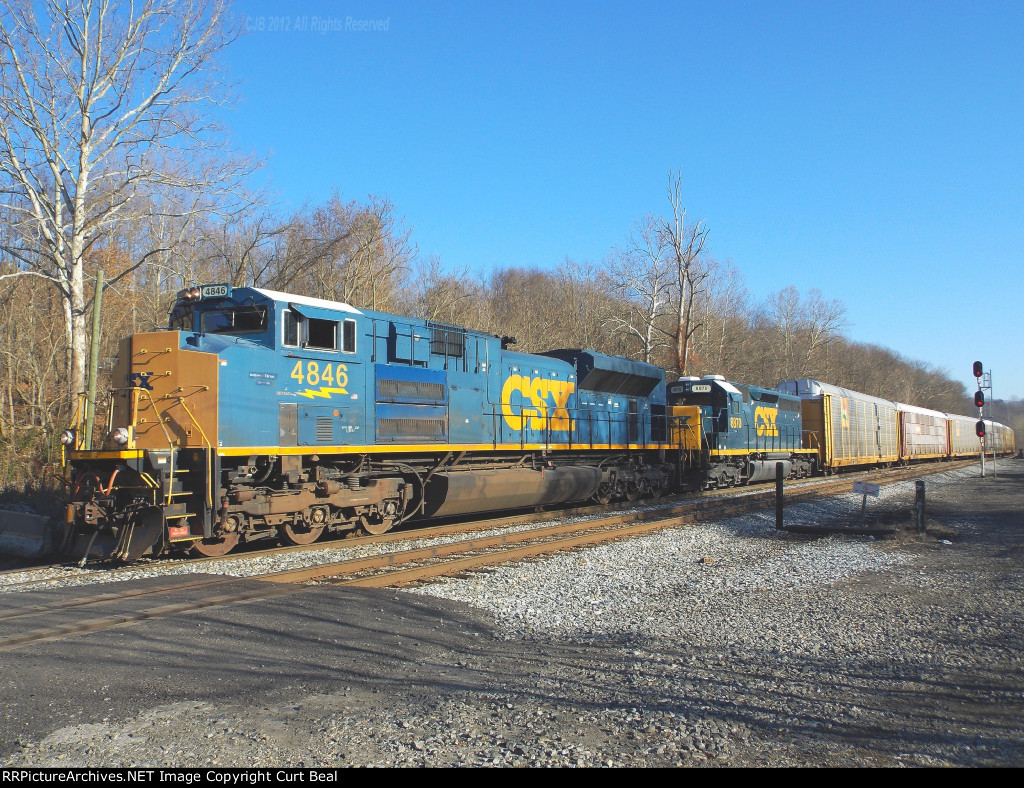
212	548
299	534
375	526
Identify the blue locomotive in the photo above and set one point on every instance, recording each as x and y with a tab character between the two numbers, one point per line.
259	413
747	430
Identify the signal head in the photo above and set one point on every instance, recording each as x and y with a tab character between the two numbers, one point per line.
979	399
979	429
977	369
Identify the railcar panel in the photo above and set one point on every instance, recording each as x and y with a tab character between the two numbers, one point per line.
963	442
924	434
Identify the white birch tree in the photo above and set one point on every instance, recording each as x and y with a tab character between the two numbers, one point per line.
101	121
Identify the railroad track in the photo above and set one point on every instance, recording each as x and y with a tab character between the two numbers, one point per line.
403	567
455	527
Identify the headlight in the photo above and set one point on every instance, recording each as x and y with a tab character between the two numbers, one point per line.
120	436
68	437
194	293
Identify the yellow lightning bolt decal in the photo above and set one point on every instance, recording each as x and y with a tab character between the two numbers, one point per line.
323	391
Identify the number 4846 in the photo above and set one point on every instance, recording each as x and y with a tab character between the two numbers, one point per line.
312	373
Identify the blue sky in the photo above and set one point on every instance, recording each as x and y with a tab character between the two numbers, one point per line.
872	150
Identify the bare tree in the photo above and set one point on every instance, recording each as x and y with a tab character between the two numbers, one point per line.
443	296
642	276
662	273
100	107
342	251
723	321
802	331
586	302
685	242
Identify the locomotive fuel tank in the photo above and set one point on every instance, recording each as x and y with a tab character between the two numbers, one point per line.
510	488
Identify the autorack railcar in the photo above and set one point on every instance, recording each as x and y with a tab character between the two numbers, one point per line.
998	437
923	433
847	428
851	429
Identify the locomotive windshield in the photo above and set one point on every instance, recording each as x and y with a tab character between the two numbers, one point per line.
180	318
234	320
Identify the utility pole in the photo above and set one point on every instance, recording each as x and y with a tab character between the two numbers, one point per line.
94	352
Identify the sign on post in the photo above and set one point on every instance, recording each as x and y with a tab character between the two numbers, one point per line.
867	488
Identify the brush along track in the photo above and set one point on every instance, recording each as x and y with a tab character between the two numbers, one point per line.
405	567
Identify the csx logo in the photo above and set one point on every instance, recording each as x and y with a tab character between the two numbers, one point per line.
140	380
544	395
764	421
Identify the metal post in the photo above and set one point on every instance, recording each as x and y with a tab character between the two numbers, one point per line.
992	397
779	474
94	353
919	505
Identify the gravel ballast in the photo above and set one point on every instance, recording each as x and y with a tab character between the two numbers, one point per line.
722	644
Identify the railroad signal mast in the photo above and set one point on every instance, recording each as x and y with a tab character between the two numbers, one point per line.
984	382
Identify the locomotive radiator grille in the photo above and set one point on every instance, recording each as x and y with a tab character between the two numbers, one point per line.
411	429
410	390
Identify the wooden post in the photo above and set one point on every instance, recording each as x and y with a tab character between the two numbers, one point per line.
94	352
919	505
779	475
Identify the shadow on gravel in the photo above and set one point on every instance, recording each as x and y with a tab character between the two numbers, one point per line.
382	647
954	716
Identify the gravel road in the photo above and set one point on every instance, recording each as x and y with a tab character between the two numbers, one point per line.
723	644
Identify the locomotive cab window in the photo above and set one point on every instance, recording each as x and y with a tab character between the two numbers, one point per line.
234	320
290	329
181	318
321	334
348	336
317	333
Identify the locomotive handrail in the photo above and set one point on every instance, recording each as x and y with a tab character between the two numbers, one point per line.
170	442
209	446
812	438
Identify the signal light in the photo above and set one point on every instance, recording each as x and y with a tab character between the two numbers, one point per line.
977	369
979	429
979	399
